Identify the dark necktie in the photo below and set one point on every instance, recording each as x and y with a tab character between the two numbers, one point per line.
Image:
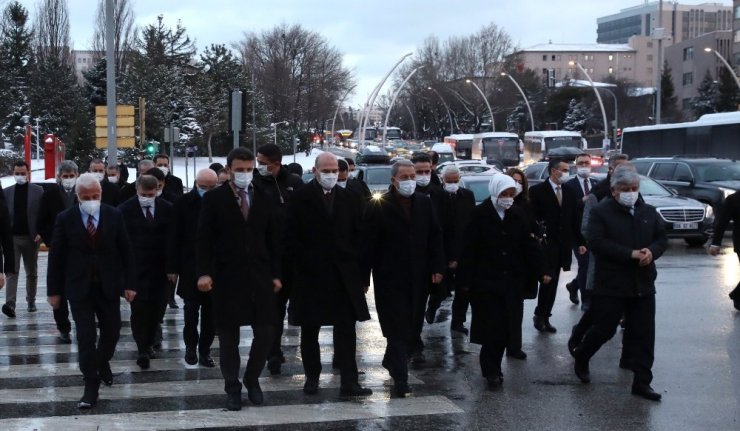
559	195
585	186
244	204
90	226
149	216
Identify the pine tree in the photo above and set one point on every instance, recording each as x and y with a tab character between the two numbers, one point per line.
728	99
519	118
706	101
16	61
577	117
668	98
95	83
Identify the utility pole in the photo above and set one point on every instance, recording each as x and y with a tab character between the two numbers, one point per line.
110	77
254	116
659	31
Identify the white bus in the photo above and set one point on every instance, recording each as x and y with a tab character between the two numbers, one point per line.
537	144
391	134
461	144
502	147
716	135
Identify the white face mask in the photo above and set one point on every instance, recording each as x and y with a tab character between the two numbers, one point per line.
519	189
145	201
452	187
423	180
263	170
406	188
90	207
69	183
20	179
159	192
504	203
165	170
342	184
99	175
242	179
353	174
628	199
113	179
328	181
564	178
584	172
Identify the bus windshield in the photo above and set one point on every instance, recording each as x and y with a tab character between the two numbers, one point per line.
393	134
562	141
370	134
501	148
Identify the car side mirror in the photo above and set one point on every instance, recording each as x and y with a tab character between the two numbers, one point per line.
686	179
672	190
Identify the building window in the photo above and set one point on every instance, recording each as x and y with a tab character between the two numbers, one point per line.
649	44
544	58
79	60
553	57
737	12
650	57
557	73
688	79
572	72
649	70
611	58
737	36
611	70
688	53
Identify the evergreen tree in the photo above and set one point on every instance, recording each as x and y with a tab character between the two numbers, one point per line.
95	83
728	99
518	120
706	101
577	117
668	98
16	60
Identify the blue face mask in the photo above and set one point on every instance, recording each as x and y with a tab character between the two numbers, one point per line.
201	191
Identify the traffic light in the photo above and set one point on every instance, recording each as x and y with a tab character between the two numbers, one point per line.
151	148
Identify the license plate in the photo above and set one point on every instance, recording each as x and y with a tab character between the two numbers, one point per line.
685	226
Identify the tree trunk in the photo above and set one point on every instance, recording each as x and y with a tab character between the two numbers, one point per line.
210	151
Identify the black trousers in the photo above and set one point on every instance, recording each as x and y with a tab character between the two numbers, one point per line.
582	275
84	312
276	351
442	291
546	295
639	313
515	315
230	361
585	323
345	347
396	358
460	304
496	311
146	317
199	306
61	317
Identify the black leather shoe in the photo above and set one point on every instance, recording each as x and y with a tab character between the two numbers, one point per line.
173	304
32	307
9	310
90	396
143	361
234	402
191	358
311	387
334	363
430	315
573	342
418	358
495	381
151	353
573	292
644	390
65	338
459	327
354	390
581	369
254	392
274	364
517	354
106	375
401	390
206	361
542	324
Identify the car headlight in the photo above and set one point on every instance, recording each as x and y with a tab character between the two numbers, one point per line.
377	195
726	192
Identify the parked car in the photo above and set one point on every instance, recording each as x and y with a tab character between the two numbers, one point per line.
478	184
445	152
708	180
377	177
468	167
371	154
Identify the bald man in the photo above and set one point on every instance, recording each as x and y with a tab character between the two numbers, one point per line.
182	266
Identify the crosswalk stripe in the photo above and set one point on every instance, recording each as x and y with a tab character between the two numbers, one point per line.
250	416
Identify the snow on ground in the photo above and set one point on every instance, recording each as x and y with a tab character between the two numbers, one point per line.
178	166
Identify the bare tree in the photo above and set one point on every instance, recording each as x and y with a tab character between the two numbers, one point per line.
124	30
51	33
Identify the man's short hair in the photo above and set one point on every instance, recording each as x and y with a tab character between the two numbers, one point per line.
144	166
156	173
624	174
161	156
421	158
350	162
86	181
583	155
215	167
617	158
398	165
343	166
67	166
95	162
295	168
147	182
112	167
272	152
434	156
20	164
554	163
450	169
239	153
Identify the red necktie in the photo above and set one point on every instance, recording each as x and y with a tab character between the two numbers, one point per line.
585	185
90	226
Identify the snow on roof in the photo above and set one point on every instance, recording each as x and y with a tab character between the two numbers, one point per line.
641	91
579	47
582	83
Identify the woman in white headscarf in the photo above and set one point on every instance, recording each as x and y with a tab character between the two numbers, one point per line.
499	250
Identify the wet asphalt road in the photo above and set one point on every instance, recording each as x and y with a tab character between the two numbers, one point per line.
697	369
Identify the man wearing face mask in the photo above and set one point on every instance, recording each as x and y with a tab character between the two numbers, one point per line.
556	207
172	184
54	201
23	200
186	211
129	190
147	219
457	206
404	254
238	258
110	190
324	219
91	265
113	176
358	187
625	236
582	185
275	179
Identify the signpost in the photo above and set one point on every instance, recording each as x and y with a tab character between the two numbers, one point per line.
124	127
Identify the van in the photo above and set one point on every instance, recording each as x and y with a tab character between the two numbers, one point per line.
445	152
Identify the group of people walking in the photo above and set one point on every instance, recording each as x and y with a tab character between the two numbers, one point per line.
237	247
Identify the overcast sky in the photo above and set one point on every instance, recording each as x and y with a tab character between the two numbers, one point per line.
372	34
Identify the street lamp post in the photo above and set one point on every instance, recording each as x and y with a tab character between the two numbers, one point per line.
526	101
393	101
727	65
274	128
333	121
442	99
490	112
606	142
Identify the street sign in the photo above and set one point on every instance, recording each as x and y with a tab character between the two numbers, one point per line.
170	132
120	142
125	126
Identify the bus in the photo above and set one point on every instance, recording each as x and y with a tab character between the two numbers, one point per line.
502	147
538	143
462	145
716	135
391	134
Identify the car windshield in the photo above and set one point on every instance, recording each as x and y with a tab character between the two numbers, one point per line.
378	176
650	187
709	172
479	189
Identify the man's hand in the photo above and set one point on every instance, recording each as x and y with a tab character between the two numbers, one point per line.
452	264
172	277
437	278
637	254
129	295
647	257
277	285
37	240
55	301
205	283
546	279
582	250
714	250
